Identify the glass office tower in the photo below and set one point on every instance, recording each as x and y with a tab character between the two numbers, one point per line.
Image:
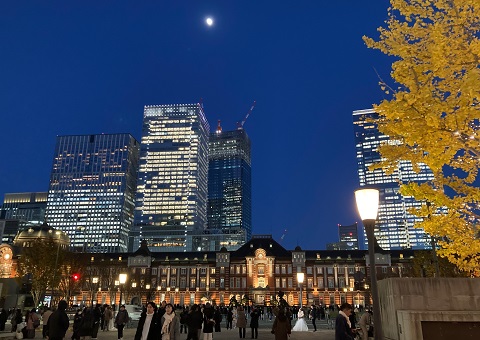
19	211
27	206
171	203
394	228
92	190
229	190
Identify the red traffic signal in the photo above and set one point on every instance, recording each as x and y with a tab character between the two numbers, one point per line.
76	277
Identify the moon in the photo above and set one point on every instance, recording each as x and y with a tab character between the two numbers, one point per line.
209	21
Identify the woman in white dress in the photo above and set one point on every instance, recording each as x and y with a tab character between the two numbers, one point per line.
301	324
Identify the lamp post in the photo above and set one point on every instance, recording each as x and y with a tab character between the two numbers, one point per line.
300	277
122	278
367	205
94	285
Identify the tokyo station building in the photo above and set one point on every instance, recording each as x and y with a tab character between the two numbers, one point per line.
257	270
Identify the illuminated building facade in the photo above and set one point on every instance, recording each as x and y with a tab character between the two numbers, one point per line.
92	190
27	206
19	211
229	190
171	203
259	269
394	228
348	238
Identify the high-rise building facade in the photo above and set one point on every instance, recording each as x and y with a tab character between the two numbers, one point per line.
229	190
27	206
395	225
19	211
92	190
171	203
348	234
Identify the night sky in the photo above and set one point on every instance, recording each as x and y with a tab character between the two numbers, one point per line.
88	67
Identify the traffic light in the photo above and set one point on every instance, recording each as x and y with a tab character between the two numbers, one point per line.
75	277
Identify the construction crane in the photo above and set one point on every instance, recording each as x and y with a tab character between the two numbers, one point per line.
240	125
283	235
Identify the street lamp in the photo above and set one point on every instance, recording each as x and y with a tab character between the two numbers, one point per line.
300	278
94	283
367	205
122	278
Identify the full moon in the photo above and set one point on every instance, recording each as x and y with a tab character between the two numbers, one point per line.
209	21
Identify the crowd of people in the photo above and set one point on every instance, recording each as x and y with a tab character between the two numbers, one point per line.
168	321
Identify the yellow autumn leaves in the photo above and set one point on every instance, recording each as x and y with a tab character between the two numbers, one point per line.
434	112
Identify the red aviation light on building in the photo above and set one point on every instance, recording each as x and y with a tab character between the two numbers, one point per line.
75	277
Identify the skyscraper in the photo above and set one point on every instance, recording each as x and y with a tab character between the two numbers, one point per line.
92	190
171	203
394	228
27	206
19	211
229	190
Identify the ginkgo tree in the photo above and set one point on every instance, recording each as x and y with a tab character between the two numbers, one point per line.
433	112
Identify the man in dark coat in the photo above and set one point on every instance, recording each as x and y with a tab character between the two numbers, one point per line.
121	320
58	322
97	316
313	316
194	322
254	315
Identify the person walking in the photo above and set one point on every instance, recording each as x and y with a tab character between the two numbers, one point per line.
170	324
254	315
148	325
46	315
85	329
194	322
97	317
77	320
58	322
108	315
365	323
313	316
184	320
16	320
33	322
343	329
208	322
241	322
229	318
120	321
217	317
281	326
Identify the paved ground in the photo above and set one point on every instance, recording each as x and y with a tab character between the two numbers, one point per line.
232	334
322	333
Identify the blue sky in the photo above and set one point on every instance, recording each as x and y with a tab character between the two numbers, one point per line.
86	67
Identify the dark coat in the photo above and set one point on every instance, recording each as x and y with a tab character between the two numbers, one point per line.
122	317
342	331
208	321
254	318
58	324
281	327
194	320
153	331
86	324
